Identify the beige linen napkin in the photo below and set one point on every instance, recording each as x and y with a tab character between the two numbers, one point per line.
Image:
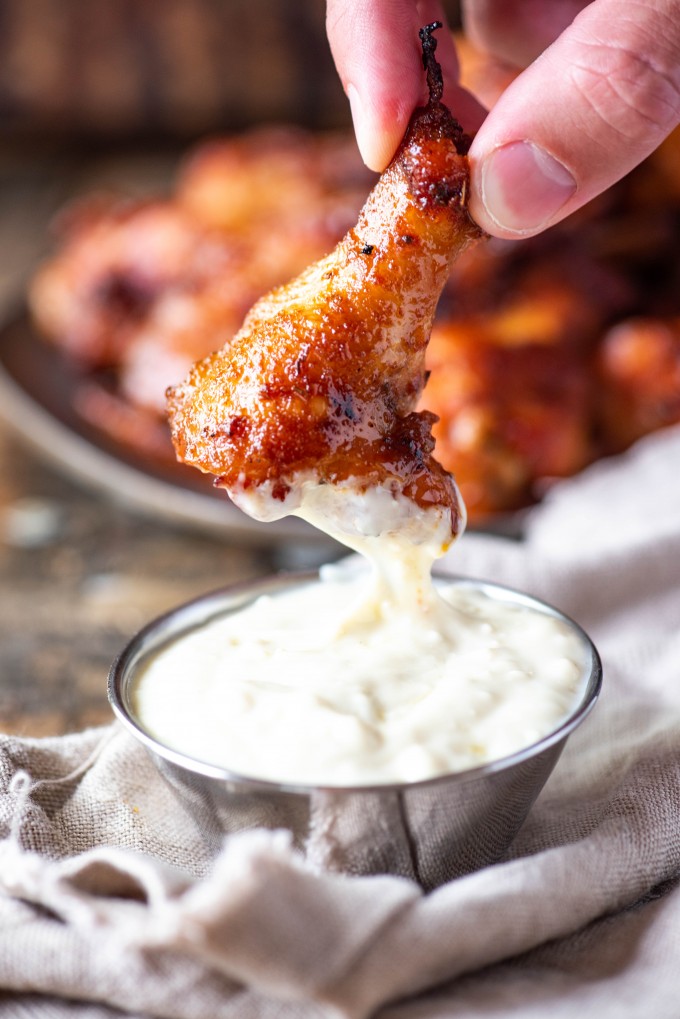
113	900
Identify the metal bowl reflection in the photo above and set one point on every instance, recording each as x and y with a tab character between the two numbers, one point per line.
430	831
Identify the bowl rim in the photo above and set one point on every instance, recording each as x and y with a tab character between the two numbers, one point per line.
169	625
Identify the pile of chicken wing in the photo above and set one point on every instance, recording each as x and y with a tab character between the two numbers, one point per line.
545	353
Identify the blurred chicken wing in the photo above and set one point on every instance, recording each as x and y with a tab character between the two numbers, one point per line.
639	376
114	263
244	185
509	412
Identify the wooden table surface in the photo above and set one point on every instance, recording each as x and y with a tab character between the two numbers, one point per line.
78	574
78	577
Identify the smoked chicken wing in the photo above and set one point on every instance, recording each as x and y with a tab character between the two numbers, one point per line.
639	374
115	262
320	385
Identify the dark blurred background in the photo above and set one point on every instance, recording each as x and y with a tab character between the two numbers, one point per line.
94	71
107	70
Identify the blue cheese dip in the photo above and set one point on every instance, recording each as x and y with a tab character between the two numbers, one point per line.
345	683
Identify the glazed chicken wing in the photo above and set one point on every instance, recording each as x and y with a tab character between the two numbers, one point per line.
320	385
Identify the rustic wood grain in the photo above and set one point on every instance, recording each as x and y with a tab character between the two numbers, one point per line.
78	577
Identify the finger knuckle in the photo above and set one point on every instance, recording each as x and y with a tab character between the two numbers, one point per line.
632	93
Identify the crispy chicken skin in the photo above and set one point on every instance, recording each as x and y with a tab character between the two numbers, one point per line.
324	376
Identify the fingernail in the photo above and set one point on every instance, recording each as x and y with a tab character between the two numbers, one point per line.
524	187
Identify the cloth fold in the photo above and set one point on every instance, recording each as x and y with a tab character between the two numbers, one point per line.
113	900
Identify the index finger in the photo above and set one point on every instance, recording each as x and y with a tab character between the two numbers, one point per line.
377	52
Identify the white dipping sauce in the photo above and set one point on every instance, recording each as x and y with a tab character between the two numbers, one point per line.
324	686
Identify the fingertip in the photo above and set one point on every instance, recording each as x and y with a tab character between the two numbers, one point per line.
381	117
376	52
378	55
379	126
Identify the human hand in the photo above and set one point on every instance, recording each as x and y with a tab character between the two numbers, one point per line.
599	92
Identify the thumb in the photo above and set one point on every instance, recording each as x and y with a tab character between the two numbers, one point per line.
589	109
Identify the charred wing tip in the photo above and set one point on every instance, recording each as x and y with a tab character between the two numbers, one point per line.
435	80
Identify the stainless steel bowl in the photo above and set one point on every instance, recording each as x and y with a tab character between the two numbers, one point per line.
430	831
